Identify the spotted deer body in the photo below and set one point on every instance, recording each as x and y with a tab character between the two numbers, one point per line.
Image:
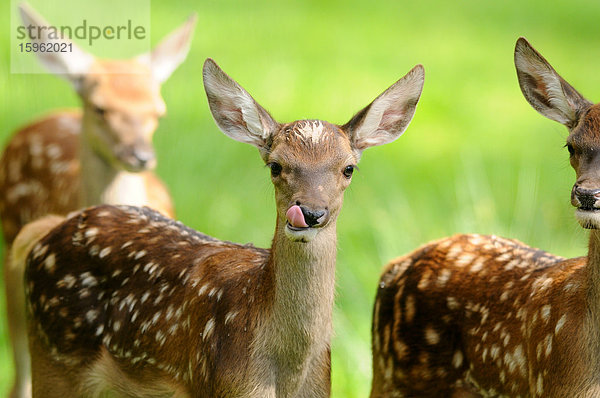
123	300
473	315
68	160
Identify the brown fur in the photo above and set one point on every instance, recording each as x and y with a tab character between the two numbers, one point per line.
476	315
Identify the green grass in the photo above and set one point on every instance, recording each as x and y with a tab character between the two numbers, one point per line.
476	157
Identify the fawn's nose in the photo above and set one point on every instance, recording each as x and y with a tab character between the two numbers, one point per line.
145	157
314	217
584	198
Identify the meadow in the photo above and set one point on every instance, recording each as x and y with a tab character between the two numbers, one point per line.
476	157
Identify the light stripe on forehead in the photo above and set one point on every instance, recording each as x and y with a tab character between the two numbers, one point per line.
312	130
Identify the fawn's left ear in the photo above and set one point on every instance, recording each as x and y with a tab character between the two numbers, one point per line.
386	118
544	89
171	51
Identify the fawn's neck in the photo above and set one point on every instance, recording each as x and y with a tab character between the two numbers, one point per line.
593	269
101	182
298	327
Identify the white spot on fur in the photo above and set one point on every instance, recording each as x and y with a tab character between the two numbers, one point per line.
431	335
520	360
504	257
144	297
425	279
50	262
140	254
545	312
91	233
208	328
477	265
548	344
452	303
540	284
465	259
475	239
105	252
88	280
203	289
454	251
457	359
494	352
444	277
560	323
67	281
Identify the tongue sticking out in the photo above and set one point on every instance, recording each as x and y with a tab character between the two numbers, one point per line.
295	217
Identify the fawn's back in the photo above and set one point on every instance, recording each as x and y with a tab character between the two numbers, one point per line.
462	310
113	303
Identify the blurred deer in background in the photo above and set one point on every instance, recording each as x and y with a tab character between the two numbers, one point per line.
122	300
73	159
473	315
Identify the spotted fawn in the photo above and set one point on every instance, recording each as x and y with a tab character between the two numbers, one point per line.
483	316
126	301
71	159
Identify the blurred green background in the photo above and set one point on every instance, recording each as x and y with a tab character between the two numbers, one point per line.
476	158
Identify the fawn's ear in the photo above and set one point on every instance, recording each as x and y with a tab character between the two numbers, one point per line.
236	113
544	89
70	65
386	118
171	51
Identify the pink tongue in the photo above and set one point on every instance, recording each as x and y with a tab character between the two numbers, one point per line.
295	217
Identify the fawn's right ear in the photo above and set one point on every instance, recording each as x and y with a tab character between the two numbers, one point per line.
69	65
236	113
544	89
171	51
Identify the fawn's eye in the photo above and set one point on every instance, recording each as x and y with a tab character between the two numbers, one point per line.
275	169
348	170
570	149
99	111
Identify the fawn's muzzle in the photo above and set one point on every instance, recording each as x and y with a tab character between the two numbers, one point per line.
137	159
303	222
585	199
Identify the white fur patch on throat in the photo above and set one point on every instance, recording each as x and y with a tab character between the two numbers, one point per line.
126	189
301	235
588	219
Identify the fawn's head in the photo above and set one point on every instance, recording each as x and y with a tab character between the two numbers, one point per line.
311	161
556	99
121	98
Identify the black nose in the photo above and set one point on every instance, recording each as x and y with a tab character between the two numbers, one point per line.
313	217
144	157
586	197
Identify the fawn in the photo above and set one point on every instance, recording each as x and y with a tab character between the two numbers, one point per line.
123	300
71	159
474	315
